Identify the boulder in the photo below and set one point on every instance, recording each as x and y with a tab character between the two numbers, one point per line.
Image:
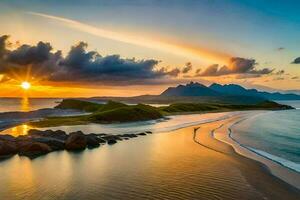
8	148
111	141
7	138
33	149
142	134
59	134
111	137
92	141
76	141
53	143
149	132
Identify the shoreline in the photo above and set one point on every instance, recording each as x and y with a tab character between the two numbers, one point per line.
257	173
250	169
276	169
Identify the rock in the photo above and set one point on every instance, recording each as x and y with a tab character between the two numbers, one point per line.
142	134
8	148
111	141
59	134
33	149
111	137
76	141
133	135
53	143
149	132
101	140
92	141
7	138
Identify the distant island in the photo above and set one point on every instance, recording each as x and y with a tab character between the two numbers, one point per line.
183	99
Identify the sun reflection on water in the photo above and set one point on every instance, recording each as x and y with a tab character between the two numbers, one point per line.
17	130
25	104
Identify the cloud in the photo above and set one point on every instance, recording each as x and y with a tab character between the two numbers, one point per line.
39	58
236	65
296	61
3	41
247	76
295	77
90	65
188	67
167	45
79	65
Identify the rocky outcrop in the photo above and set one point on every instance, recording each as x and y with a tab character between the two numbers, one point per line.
93	141
8	148
39	142
76	141
33	149
59	134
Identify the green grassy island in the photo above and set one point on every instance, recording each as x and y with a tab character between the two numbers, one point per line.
116	112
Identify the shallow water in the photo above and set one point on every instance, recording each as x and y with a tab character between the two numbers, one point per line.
161	125
275	135
157	166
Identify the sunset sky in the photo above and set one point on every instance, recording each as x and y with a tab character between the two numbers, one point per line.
125	48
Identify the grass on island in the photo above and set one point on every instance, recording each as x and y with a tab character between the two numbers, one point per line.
115	112
111	112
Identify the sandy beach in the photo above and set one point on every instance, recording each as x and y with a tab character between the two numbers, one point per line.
188	163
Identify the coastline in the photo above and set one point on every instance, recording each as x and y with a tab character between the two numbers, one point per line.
284	173
225	174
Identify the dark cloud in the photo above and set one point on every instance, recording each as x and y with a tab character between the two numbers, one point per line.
236	65
295	77
39	58
188	67
3	41
296	61
173	72
198	71
27	54
80	65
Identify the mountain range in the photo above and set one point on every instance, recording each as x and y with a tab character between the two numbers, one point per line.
198	89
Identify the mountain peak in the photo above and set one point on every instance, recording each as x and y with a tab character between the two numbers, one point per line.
190	89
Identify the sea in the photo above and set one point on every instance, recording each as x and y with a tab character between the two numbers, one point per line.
274	135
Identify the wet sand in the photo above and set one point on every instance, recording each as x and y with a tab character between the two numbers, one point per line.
258	175
181	164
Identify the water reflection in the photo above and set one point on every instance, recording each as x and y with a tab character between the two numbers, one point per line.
25	104
18	130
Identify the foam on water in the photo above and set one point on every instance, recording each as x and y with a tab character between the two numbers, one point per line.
286	163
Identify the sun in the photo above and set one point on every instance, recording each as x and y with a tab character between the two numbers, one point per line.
25	85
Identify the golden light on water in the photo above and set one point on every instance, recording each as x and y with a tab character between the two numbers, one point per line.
25	104
25	85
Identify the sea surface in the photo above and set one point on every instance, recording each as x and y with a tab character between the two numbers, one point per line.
274	135
26	104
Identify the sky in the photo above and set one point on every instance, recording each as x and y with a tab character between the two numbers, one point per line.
126	48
